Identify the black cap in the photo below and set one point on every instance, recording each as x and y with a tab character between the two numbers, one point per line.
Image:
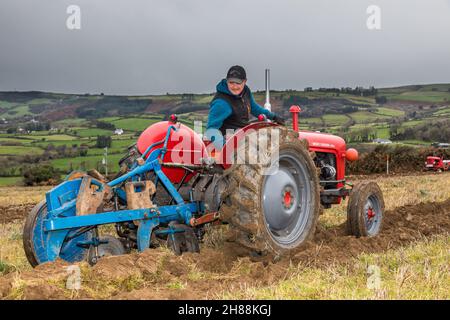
236	74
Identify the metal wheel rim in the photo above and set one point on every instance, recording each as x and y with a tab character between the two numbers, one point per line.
372	224
286	224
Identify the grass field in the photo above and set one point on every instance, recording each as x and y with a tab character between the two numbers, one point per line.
389	112
19	150
39	101
335	119
109	119
7	104
15	140
67	143
86	163
418	269
443	112
382	132
50	137
15	111
412	123
310	120
366	117
10	181
71	122
93	132
77	131
134	124
422	96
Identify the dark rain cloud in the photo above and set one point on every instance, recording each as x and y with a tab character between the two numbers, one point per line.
159	46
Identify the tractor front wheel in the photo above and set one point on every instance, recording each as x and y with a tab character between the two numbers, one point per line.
365	210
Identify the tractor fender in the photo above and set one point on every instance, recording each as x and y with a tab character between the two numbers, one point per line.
225	156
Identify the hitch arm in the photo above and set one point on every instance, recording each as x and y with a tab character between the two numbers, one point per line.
207	218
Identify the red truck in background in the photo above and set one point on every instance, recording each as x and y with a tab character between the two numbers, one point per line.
437	164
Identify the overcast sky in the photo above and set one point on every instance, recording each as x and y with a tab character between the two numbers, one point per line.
159	46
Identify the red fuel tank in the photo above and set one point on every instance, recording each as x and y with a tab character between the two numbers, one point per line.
184	146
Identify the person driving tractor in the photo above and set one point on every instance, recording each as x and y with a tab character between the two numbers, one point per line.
232	105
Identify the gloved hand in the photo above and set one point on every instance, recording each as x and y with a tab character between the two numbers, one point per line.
279	120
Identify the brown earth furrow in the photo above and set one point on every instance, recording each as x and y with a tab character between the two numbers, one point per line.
204	275
16	212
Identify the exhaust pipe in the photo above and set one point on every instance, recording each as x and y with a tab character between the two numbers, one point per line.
267	105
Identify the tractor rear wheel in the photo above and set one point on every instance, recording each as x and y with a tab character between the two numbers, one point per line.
365	210
273	203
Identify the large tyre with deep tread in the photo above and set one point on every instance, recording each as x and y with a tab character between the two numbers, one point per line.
274	214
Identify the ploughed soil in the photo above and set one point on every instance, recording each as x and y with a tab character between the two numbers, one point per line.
158	274
10	213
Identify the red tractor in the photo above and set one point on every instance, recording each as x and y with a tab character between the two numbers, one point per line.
437	164
268	183
278	211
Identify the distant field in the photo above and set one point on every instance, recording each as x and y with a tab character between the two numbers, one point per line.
76	131
382	132
117	146
86	163
17	111
39	133
93	132
19	150
310	120
109	119
439	86
134	124
412	123
71	122
7	104
39	101
50	137
204	99
15	140
445	112
123	143
69	143
366	117
335	119
421	96
390	112
9	181
356	99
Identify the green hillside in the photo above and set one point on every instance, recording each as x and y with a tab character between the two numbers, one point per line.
62	130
